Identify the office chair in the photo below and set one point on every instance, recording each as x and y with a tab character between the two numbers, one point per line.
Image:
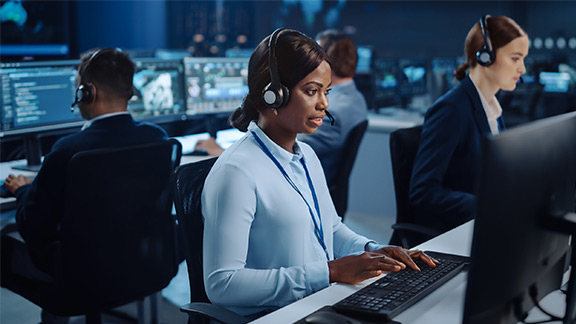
117	238
403	148
187	185
339	189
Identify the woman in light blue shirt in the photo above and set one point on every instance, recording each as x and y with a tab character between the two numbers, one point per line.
272	235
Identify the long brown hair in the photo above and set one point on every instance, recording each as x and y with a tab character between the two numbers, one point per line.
502	30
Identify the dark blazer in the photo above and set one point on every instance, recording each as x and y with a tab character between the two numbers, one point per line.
40	204
443	178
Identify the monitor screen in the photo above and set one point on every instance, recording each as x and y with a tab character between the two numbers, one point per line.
365	56
386	75
443	71
412	77
527	179
215	85
158	90
555	81
239	52
36	97
33	30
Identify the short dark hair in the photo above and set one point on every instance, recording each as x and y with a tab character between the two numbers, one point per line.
110	69
343	54
502	30
297	56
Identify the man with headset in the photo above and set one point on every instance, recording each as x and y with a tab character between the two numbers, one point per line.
347	104
104	87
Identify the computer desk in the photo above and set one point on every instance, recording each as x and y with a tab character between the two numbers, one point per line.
444	305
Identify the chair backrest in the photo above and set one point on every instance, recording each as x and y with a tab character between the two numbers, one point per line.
339	189
187	185
403	148
117	231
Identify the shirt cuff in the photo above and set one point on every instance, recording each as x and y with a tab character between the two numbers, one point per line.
373	246
317	275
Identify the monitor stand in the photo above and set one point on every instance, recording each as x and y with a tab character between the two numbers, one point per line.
33	149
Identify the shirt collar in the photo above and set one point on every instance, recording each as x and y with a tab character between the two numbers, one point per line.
89	122
493	112
283	156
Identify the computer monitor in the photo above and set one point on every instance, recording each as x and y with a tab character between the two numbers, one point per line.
555	81
158	91
365	59
35	99
36	30
527	184
215	84
412	77
386	74
443	71
239	52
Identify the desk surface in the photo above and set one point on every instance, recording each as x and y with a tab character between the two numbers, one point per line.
445	305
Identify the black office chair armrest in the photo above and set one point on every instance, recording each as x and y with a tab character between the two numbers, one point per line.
213	312
404	239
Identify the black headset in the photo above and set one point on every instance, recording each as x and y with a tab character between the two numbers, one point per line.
84	92
275	94
485	56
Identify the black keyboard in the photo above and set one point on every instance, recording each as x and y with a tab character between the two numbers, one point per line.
392	294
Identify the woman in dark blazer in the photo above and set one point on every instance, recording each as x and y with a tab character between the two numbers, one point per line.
443	176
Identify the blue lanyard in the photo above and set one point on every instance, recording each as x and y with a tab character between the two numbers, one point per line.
318	229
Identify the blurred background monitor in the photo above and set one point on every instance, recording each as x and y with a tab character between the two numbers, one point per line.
239	52
365	59
215	84
386	75
171	54
412	77
36	30
442	77
555	81
158	90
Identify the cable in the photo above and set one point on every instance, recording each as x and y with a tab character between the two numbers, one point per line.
533	292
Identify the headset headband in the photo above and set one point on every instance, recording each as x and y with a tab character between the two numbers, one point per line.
94	56
272	61
485	33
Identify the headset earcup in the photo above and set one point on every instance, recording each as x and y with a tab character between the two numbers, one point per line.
285	96
275	97
485	57
84	94
270	96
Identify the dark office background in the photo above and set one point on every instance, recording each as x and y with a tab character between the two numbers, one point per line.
207	28
421	31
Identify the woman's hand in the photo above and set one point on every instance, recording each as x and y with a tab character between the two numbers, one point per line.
356	268
407	257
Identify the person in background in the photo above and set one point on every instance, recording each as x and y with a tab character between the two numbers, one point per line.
443	177
347	104
271	232
104	81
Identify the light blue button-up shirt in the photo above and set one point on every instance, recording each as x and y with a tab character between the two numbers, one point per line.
260	249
